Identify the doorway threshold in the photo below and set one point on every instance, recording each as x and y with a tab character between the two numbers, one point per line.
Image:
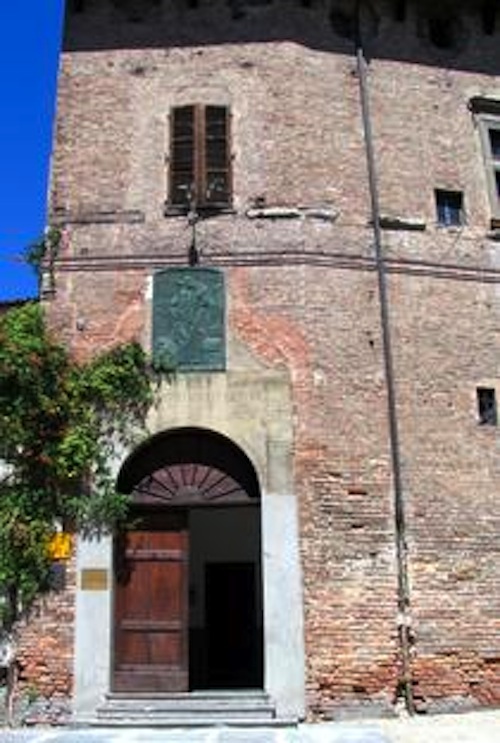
241	707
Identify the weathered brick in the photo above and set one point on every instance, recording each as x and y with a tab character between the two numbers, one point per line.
302	294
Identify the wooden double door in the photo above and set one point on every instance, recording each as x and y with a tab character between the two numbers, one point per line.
151	648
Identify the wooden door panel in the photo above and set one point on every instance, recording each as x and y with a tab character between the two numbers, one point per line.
151	622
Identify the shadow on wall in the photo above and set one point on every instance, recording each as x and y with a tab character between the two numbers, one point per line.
455	34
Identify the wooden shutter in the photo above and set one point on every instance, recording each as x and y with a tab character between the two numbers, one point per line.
182	156
200	165
216	181
494	141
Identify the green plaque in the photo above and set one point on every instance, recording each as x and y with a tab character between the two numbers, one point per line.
188	320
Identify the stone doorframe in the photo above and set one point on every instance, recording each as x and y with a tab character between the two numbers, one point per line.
252	409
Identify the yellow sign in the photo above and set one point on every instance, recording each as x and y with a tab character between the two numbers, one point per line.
60	546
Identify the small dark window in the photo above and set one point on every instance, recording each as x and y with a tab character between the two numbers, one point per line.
488	13
486	406
199	157
494	147
495	143
449	207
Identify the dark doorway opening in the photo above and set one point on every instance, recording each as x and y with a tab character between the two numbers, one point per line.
233	629
225	612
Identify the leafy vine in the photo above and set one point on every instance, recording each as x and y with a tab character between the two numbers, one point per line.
44	252
59	425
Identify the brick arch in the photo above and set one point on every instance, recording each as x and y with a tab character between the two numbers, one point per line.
189	466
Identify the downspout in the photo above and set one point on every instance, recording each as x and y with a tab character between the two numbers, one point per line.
405	683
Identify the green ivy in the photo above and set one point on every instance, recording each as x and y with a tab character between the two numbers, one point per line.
59	425
46	248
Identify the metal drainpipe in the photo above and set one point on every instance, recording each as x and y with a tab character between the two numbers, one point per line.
399	506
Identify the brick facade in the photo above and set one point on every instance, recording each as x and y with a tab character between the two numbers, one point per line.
302	294
45	652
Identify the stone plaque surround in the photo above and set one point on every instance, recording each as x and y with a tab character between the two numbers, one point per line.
253	409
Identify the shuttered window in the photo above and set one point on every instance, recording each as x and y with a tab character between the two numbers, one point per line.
491	148
487	112
199	157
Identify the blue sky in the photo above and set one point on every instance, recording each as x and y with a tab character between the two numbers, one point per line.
30	33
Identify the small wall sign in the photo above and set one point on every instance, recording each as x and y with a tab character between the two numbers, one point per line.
60	546
93	579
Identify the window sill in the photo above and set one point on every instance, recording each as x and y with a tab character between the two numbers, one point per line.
494	234
171	210
321	213
410	224
452	229
481	105
126	216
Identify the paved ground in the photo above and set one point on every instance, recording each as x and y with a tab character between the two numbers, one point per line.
472	727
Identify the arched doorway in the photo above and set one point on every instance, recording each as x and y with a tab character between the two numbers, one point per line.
188	585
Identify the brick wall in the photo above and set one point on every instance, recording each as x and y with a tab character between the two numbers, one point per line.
45	648
302	292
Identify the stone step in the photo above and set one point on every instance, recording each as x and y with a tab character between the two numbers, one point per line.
220	715
196	708
184	722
